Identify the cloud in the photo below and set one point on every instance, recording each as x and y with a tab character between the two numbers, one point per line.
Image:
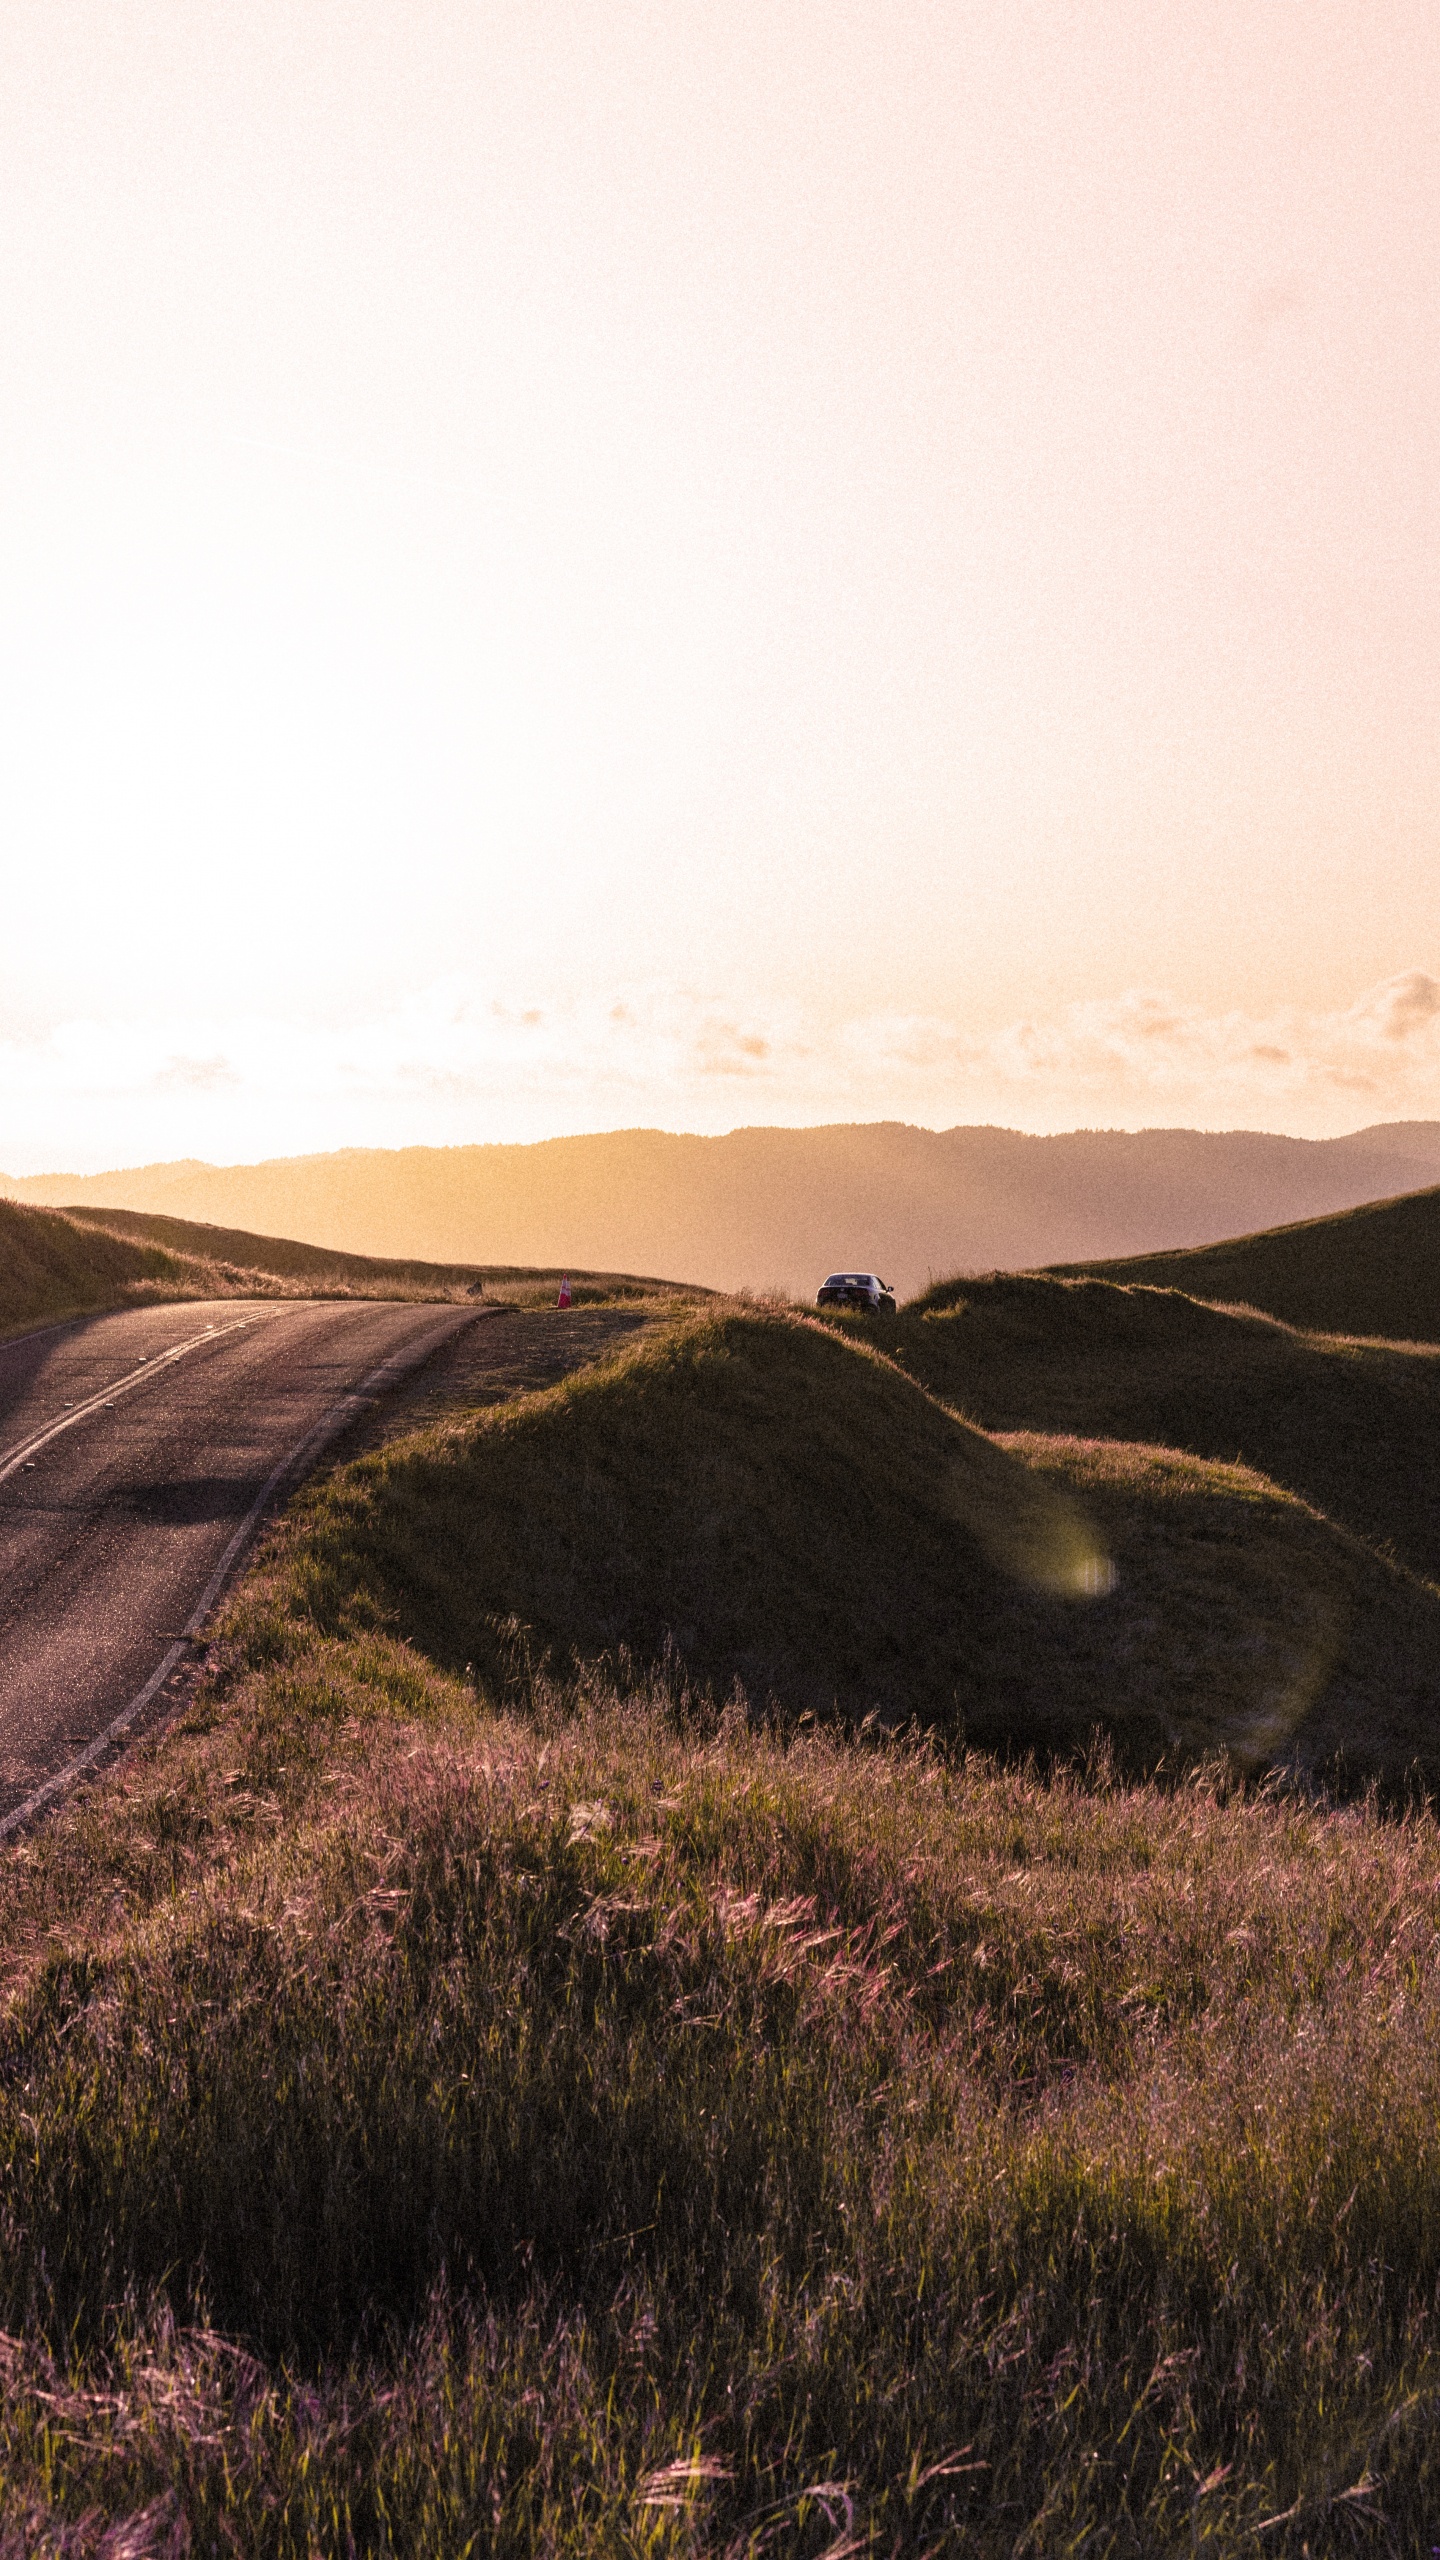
1404	1005
722	1048
1143	1047
201	1074
453	1063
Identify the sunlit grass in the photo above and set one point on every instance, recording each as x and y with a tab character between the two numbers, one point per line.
590	2128
542	2100
756	1498
1370	1270
57	1264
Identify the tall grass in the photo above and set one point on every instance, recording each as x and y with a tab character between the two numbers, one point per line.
460	2103
609	2126
56	1264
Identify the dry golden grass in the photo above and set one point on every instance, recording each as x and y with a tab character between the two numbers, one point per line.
523	2103
56	1264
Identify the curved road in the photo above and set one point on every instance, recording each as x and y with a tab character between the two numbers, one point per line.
137	1453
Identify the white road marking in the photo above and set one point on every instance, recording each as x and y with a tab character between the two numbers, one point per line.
103	1399
305	1452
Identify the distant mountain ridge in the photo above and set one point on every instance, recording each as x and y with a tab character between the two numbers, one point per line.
781	1206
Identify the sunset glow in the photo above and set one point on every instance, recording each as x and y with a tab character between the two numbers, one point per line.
570	567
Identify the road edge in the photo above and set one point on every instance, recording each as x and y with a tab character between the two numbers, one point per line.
292	1467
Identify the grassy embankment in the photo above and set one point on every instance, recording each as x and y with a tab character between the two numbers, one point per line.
570	2114
59	1263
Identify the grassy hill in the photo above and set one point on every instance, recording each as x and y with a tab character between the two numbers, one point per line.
55	1264
710	2131
278	1257
1352	1427
1374	1269
323	1273
779	1207
51	1267
750	1499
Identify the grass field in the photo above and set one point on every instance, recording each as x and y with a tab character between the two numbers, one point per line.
767	1502
1372	1270
612	2127
51	1268
536	2064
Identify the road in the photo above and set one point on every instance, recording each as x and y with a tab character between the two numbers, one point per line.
136	1452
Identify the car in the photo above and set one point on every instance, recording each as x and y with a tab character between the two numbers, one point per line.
857	1289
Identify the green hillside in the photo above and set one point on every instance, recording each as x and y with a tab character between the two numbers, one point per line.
1353	1427
1374	1270
748	1498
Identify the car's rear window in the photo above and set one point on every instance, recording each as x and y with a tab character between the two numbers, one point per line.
850	1280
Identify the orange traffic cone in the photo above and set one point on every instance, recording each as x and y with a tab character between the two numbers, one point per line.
564	1298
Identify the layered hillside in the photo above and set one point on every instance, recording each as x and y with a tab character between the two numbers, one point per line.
1372	1270
766	1207
1352	1427
749	1502
56	1264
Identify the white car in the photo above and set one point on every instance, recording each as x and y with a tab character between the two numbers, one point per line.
857	1289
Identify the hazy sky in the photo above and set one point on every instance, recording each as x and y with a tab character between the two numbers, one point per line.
568	565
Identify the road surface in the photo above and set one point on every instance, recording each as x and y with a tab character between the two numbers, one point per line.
137	1452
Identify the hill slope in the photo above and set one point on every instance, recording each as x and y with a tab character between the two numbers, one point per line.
782	1206
52	1267
753	1499
326	1273
1374	1269
55	1264
1352	1427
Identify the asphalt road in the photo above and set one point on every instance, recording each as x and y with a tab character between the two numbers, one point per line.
134	1451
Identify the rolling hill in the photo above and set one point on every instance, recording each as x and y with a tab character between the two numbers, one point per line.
713	2117
1369	1270
1352	1427
56	1264
748	1501
766	1207
709	2129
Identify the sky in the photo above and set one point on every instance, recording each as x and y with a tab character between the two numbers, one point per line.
572	566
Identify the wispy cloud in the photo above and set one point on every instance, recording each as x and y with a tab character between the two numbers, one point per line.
455	1063
1143	1045
201	1075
